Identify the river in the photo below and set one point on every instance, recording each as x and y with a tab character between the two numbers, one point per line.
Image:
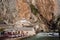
43	36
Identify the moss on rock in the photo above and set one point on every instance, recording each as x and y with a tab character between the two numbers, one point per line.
33	9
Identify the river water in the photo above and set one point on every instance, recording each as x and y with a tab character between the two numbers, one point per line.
44	37
40	36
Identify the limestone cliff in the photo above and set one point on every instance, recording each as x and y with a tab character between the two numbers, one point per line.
23	9
8	11
14	10
46	8
40	13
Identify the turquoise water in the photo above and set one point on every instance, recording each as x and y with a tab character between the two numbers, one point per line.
44	37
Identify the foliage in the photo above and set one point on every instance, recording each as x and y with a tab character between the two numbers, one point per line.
58	18
58	21
1	19
1	29
33	9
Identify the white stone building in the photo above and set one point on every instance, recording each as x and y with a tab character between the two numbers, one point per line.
26	31
22	22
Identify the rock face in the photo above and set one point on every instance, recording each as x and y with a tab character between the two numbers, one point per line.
23	9
8	10
46	8
13	11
